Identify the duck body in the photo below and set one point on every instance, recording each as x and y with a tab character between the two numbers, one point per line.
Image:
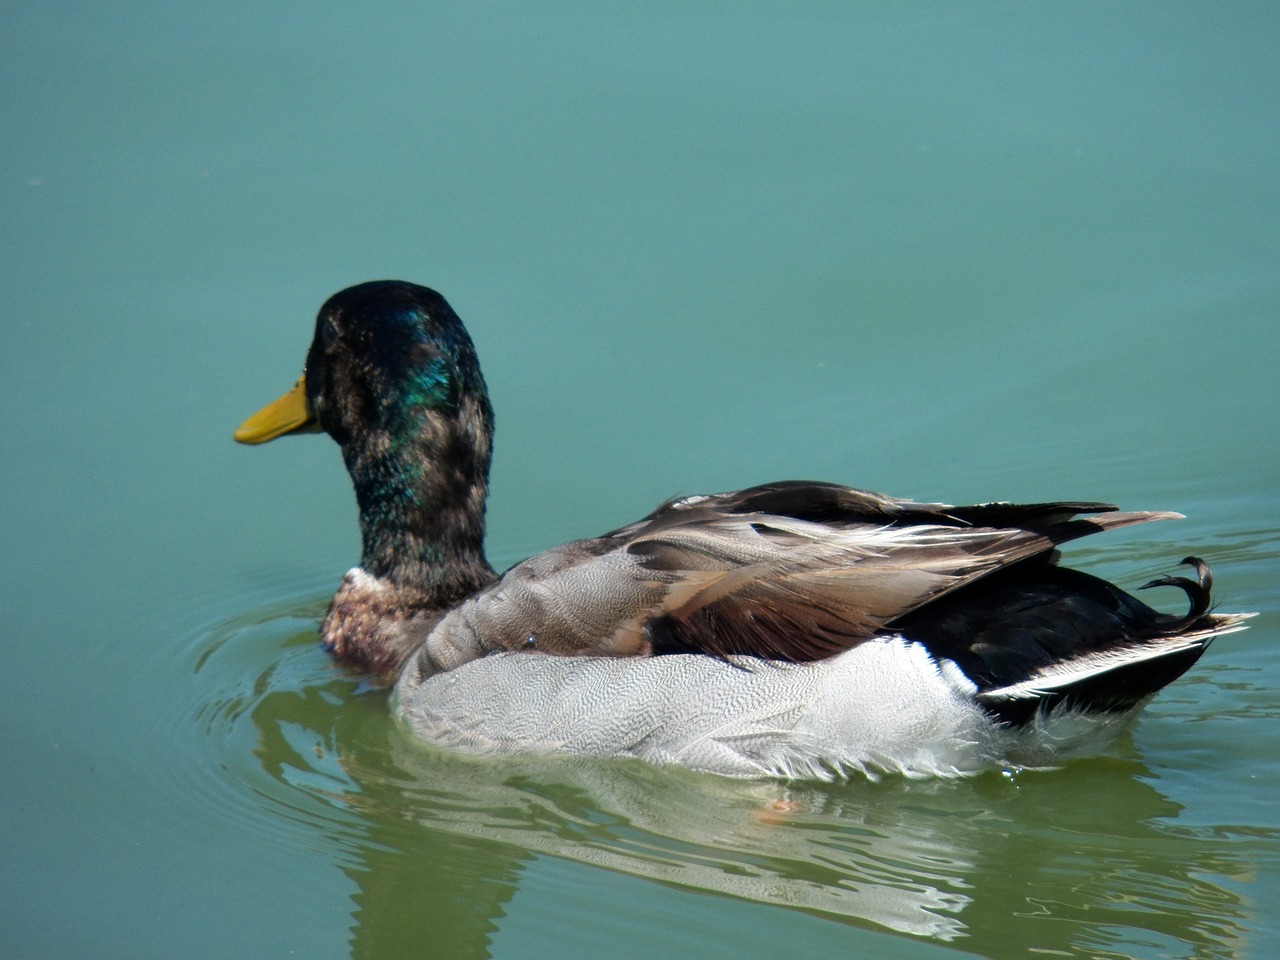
805	667
881	707
792	629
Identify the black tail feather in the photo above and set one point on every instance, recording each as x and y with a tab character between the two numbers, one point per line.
1197	590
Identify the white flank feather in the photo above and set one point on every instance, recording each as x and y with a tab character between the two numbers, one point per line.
1064	674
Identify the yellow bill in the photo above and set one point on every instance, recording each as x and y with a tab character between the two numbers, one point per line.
289	414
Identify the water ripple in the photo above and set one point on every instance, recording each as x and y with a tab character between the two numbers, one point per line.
268	705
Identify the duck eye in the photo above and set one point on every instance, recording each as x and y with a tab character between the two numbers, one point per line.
328	333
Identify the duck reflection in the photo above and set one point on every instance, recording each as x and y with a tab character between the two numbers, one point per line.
1080	862
1066	861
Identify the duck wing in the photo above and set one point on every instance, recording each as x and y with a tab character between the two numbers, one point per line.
789	571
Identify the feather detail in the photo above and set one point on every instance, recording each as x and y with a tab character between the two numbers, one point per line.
1062	675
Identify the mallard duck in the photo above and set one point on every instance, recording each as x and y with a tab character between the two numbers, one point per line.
789	629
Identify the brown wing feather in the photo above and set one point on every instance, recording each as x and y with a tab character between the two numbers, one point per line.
820	570
842	592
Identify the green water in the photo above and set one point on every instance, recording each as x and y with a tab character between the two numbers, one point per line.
956	252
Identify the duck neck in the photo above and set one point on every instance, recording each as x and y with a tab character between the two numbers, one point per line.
423	532
420	479
422	520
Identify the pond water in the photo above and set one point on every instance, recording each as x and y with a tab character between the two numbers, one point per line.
992	252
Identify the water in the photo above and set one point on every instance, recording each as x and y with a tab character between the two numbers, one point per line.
998	252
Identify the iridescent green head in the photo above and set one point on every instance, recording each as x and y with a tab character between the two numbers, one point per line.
386	354
393	377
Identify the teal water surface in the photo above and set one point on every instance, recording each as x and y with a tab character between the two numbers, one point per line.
995	251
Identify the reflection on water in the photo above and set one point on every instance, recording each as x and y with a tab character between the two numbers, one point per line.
1087	861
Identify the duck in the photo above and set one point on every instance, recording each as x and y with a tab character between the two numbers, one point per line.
793	629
